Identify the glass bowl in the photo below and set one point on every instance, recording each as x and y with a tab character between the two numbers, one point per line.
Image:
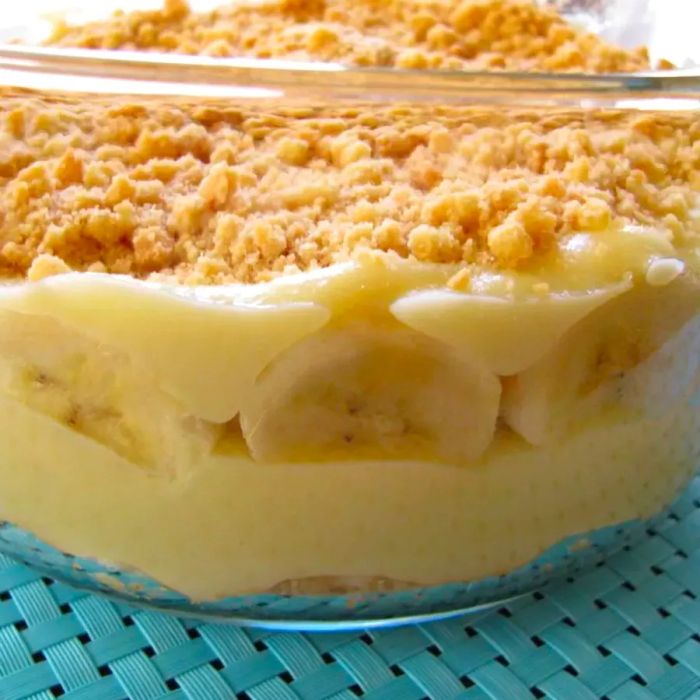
357	540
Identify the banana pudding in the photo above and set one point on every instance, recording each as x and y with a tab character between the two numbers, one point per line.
516	35
261	349
251	347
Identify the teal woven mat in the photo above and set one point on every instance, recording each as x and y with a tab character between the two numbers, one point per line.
628	630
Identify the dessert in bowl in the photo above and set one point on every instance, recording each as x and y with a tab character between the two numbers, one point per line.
313	350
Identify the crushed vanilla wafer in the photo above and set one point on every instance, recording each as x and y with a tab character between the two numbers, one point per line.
471	34
209	192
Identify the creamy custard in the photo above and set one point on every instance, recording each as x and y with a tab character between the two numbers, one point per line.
235	526
194	502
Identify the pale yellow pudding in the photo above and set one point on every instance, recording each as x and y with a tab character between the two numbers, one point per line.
341	348
235	440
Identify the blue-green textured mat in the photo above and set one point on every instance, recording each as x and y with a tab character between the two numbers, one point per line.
627	630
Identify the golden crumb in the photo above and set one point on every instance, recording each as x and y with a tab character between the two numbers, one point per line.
510	242
460	281
210	192
417	34
46	266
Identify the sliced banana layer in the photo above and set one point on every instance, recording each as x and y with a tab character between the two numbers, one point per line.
370	358
98	392
205	354
362	391
506	335
603	360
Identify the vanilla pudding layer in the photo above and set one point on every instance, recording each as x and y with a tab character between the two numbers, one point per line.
353	426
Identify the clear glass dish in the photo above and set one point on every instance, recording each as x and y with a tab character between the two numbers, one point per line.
361	539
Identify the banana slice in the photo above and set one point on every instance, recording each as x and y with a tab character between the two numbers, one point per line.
668	376
601	360
487	326
206	354
364	392
98	392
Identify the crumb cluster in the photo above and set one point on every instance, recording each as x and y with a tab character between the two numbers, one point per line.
471	34
208	192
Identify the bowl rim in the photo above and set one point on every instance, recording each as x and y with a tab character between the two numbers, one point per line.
135	72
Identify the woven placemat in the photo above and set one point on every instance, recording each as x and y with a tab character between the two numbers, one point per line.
627	630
